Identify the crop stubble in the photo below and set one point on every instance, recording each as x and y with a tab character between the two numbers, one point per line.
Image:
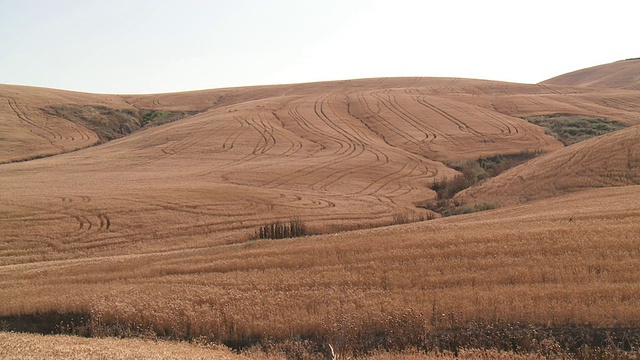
154	228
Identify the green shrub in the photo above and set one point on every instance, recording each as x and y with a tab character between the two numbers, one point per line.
571	129
471	172
110	124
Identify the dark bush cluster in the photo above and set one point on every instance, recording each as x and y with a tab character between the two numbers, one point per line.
571	129
283	230
110	124
471	172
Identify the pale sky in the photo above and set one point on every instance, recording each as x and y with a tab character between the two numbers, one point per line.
145	46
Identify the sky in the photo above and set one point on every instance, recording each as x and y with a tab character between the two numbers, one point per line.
154	46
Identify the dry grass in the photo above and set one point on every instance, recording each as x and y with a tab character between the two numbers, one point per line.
29	346
150	234
608	160
620	74
452	106
544	263
354	159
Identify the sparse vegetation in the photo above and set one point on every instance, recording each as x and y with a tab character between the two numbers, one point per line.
282	230
110	124
157	236
474	171
571	129
153	118
471	173
298	228
450	207
407	218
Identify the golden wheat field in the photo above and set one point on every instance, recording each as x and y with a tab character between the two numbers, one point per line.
66	347
156	231
30	346
71	348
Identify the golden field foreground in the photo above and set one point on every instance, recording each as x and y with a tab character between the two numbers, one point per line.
26	346
155	233
572	258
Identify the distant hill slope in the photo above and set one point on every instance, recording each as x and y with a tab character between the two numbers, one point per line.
353	157
37	122
336	155
27	131
605	161
619	75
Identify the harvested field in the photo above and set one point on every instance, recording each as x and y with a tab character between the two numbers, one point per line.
28	346
337	155
542	263
619	75
608	160
156	233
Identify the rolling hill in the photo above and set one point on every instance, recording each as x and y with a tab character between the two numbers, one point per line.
141	212
618	75
336	155
605	161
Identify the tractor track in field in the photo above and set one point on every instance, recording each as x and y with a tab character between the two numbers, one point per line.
296	144
230	141
368	136
189	142
392	106
384	181
381	161
346	145
34	128
383	122
246	125
331	119
430	172
84	223
266	141
620	104
356	145
294	113
549	89
461	125
105	222
342	122
82	132
266	132
502	124
350	146
71	210
430	133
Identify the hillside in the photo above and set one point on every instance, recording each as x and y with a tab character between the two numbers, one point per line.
335	160
608	160
619	75
39	122
335	155
139	215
